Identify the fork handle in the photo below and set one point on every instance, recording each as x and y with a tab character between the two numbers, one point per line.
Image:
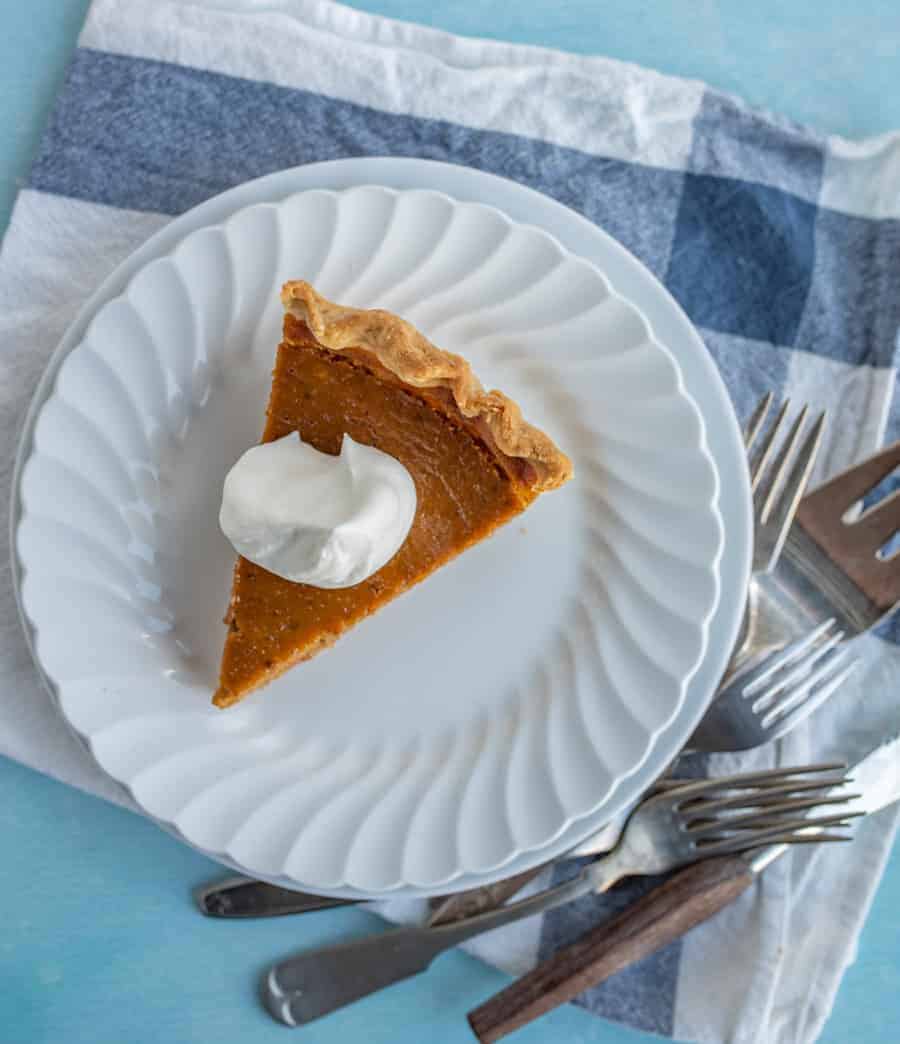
687	899
313	983
244	897
477	900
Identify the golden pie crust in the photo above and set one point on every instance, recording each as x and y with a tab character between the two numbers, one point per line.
413	359
475	461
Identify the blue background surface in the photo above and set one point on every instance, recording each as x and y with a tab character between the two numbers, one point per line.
99	941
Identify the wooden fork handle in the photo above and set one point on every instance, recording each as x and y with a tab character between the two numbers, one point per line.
663	915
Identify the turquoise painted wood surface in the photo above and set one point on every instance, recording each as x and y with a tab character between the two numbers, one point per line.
98	941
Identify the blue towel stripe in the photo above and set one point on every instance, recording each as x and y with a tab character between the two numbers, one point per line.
744	259
149	135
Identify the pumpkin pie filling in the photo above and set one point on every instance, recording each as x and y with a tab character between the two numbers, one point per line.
465	485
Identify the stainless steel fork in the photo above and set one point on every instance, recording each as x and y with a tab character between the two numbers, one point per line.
671	829
774	692
831	567
778	482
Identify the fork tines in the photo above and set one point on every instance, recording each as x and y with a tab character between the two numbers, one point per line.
857	546
800	678
779	483
775	806
774	691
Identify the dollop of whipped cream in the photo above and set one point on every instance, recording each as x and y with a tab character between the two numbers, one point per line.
315	518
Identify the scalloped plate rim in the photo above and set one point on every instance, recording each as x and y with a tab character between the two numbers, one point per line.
562	252
92	307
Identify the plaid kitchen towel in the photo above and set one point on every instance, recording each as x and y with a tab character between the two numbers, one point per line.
782	245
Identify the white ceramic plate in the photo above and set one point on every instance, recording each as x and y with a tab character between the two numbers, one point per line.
632	278
126	574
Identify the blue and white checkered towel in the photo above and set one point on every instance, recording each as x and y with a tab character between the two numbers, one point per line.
783	247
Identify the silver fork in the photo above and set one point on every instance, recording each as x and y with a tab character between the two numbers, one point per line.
778	482
832	566
670	829
772	694
768	691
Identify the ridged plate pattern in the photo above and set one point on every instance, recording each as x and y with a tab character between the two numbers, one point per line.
472	720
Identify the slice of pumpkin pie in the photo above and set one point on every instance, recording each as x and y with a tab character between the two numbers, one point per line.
475	462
